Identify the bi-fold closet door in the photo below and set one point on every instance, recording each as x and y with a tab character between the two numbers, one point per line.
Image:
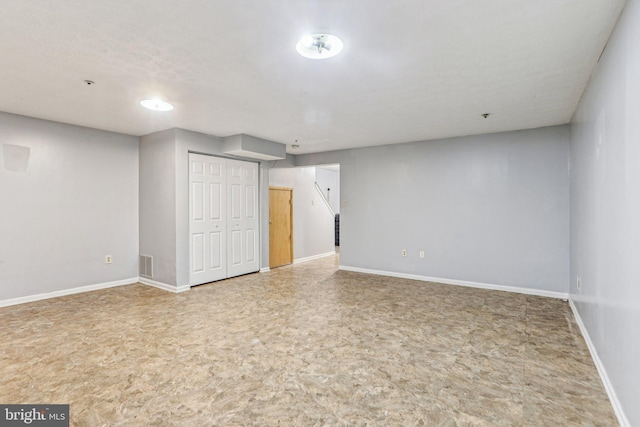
223	218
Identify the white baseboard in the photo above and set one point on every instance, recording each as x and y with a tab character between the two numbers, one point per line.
310	258
64	292
613	398
526	291
163	286
265	270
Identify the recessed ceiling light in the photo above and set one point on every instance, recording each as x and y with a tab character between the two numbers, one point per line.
156	105
319	46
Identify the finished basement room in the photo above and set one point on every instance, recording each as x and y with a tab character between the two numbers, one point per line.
279	213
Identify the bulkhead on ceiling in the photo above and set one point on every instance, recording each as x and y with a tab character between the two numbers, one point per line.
242	145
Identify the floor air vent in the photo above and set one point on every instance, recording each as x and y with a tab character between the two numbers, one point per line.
146	266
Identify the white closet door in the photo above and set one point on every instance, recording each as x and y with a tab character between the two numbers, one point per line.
207	219
242	214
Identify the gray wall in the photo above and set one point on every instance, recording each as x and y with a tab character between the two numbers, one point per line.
164	206
69	201
158	203
313	223
492	209
605	210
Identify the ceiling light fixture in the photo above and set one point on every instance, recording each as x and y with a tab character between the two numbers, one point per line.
319	46
156	104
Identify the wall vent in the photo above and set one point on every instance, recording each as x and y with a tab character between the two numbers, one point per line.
146	266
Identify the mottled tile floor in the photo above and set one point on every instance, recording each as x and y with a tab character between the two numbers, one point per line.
303	345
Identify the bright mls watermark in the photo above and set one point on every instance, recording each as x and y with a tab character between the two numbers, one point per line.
34	415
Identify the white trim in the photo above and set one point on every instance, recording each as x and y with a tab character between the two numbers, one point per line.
163	286
265	270
64	292
312	257
526	291
613	398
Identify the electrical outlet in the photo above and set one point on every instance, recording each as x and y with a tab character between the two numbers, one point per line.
579	283
404	252
421	254
108	259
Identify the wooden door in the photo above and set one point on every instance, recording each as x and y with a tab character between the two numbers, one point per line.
280	226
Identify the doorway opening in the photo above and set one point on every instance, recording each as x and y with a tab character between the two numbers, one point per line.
328	183
313	220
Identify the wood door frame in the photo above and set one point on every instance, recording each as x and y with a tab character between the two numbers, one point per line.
290	190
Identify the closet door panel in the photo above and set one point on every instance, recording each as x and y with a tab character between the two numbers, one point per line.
207	222
243	217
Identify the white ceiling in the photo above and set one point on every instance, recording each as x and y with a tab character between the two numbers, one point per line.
410	69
